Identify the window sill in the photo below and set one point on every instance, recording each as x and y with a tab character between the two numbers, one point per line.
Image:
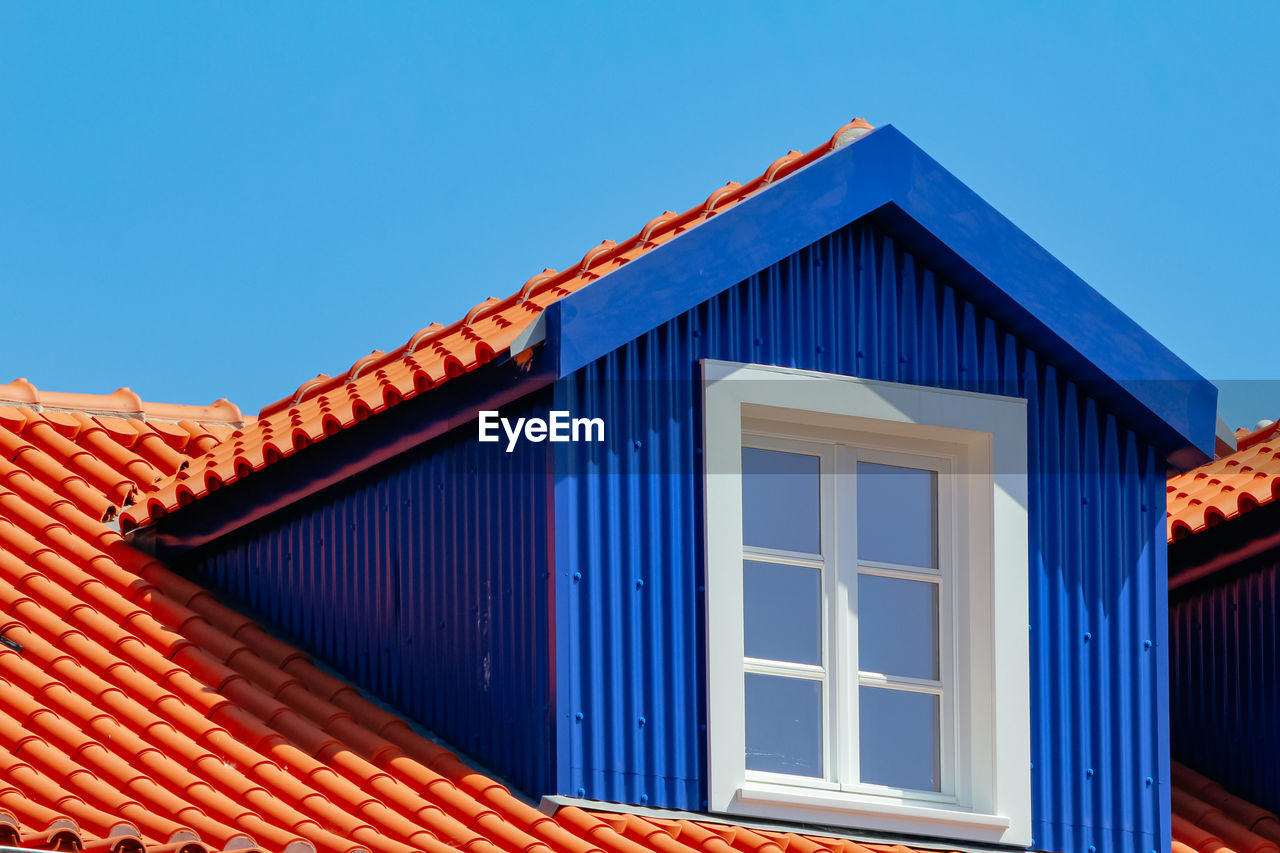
838	808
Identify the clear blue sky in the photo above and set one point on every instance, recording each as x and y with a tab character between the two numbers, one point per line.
201	200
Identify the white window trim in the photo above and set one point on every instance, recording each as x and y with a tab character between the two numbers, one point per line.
991	800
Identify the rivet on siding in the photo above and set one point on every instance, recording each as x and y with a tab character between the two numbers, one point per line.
1093	849
644	799
577	576
1085	499
759	341
861	354
1146	644
641	722
582	792
639	583
821	349
1088	635
697	333
1150	781
636	443
1089	773
578	718
1144	507
902	359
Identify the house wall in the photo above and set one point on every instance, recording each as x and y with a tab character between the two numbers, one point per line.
425	581
632	722
1225	669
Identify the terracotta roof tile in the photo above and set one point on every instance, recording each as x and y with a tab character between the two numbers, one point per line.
328	404
1227	487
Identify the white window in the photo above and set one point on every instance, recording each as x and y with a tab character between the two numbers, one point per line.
867	604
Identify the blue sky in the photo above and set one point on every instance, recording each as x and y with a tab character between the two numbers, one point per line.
203	200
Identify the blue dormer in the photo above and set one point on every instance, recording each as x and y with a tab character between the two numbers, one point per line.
863	527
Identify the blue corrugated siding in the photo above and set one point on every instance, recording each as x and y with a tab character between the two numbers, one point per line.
629	553
424	580
1226	678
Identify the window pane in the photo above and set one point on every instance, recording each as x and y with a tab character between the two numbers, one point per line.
780	500
784	725
899	739
898	626
897	515
782	612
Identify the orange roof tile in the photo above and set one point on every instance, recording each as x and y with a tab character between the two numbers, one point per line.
1227	487
436	354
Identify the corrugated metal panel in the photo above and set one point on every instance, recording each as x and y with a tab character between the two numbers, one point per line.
629	554
1225	668
425	581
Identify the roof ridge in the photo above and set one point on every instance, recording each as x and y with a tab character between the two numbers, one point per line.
123	402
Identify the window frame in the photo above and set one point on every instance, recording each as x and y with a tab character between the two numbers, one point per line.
985	792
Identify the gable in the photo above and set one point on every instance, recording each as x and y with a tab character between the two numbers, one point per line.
619	291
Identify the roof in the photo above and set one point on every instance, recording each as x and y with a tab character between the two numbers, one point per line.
1227	487
139	713
1207	819
738	230
436	354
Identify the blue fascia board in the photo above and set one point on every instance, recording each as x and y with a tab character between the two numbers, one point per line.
1009	274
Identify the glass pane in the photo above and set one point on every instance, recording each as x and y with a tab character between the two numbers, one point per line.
899	739
897	515
782	612
780	500
898	627
784	725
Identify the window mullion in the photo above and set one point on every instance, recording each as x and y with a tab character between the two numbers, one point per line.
844	668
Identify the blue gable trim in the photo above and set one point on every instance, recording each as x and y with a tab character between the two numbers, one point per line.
1004	270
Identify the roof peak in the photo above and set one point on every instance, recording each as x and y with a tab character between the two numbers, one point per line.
123	402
